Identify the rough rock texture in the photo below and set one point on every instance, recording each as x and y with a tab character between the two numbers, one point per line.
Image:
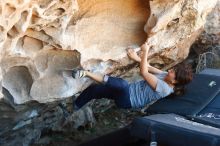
18	81
209	40
211	35
174	25
212	25
25	127
42	38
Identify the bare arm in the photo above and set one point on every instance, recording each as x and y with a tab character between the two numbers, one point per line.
133	55
150	78
154	70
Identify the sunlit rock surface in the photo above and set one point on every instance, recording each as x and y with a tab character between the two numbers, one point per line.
209	40
42	38
213	21
174	25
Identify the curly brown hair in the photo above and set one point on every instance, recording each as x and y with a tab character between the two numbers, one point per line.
184	75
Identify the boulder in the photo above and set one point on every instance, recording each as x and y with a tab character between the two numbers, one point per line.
18	82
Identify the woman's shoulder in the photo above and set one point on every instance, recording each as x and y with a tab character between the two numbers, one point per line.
163	88
162	72
161	75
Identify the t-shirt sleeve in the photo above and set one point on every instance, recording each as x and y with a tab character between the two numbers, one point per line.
163	89
161	75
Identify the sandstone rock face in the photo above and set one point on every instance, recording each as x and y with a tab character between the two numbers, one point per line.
18	81
212	25
209	40
174	25
43	38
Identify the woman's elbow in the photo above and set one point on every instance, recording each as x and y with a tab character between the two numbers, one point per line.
143	72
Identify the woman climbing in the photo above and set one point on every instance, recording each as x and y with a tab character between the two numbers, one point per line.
156	84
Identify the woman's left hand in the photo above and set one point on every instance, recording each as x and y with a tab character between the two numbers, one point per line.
132	54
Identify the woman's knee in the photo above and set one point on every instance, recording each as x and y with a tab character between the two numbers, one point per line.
93	88
117	82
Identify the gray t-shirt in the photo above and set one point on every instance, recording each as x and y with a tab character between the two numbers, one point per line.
141	92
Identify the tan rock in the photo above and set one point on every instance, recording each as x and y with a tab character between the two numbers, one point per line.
175	24
31	46
57	59
18	82
212	25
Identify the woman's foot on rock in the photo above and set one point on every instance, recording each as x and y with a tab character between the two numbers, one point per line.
78	73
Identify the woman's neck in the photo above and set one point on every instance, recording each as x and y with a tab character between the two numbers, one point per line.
168	82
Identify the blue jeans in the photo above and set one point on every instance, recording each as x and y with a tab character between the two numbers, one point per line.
113	88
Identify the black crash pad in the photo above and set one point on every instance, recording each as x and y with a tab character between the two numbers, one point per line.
174	130
198	95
